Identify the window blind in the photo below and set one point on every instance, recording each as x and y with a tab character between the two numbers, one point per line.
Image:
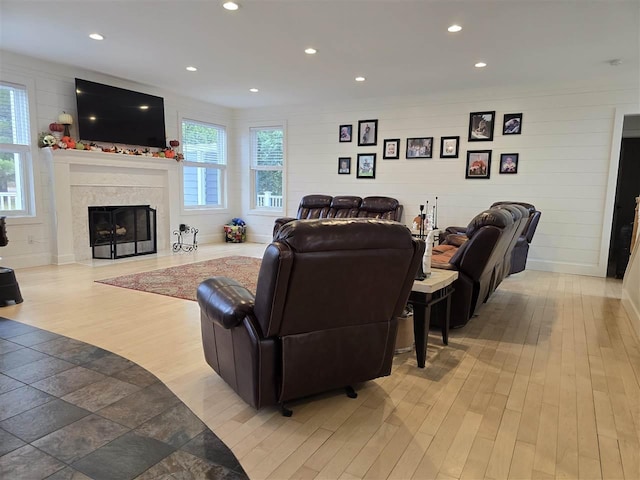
14	115
267	147
203	143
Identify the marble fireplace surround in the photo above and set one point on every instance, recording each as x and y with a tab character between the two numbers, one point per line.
80	179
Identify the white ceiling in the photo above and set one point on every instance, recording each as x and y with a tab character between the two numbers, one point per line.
402	47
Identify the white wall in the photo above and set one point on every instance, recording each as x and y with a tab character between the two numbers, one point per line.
565	151
54	90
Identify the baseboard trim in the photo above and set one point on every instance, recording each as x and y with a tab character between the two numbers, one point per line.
591	270
632	312
27	261
259	238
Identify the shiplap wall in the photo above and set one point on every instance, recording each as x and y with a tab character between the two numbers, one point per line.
53	86
565	150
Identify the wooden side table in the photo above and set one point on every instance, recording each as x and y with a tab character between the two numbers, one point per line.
424	294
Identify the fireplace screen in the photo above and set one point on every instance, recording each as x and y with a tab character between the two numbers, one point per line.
122	231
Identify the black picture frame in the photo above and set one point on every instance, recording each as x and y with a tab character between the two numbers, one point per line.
391	149
366	167
512	124
344	165
367	133
449	147
419	147
481	125
478	164
509	163
345	133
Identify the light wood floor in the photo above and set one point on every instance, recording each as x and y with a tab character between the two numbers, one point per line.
544	383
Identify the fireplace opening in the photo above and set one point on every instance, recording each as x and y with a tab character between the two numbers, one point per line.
122	231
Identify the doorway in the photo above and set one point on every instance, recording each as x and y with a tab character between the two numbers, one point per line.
627	189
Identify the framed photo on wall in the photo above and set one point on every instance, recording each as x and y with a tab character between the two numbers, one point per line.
481	126
344	165
419	147
367	132
391	149
345	133
509	163
449	147
512	124
366	165
478	164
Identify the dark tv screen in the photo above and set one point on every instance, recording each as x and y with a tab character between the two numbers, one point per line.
115	115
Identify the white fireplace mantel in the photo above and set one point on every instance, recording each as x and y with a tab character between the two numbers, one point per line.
117	176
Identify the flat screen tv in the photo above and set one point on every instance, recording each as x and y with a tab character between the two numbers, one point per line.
115	115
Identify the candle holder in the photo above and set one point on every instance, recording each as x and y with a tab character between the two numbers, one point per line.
435	215
67	120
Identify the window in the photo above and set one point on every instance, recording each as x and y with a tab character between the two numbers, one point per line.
267	161
205	161
15	151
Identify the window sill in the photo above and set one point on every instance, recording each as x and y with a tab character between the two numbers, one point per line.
266	212
204	211
23	220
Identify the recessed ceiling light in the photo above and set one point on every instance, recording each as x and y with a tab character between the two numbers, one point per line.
480	65
310	51
231	5
144	107
454	28
253	90
360	79
96	36
92	118
192	69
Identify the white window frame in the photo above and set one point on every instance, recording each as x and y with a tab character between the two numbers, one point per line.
253	168
221	167
25	151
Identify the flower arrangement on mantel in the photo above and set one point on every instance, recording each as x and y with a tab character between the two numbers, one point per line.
67	143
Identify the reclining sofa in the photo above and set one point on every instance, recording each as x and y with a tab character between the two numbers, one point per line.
518	260
481	256
324	314
343	206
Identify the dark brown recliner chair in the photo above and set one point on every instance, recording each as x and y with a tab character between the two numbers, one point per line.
521	248
520	216
488	237
323	315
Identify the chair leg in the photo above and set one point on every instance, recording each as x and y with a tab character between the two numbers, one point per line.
285	411
351	393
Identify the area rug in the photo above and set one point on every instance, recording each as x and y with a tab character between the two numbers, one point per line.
182	281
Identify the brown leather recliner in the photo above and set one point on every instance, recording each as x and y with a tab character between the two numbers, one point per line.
520	250
323	315
520	216
488	237
343	206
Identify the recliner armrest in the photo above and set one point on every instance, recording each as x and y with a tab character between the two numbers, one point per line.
456	239
225	301
443	266
279	222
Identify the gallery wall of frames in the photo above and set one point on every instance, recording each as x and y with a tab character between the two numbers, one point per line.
482	128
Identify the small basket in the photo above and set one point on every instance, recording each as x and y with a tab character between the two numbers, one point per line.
235	233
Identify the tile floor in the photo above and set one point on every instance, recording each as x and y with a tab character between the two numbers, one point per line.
69	410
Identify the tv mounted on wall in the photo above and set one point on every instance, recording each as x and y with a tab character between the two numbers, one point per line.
115	115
